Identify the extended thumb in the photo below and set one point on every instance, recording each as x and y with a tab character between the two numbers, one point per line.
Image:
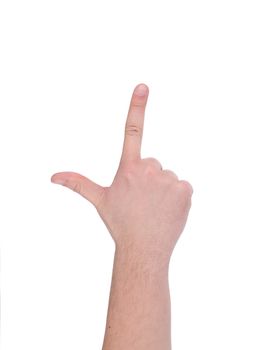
80	184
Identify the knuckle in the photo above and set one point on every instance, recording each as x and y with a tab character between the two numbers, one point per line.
185	187
149	169
128	175
133	130
76	187
126	171
152	163
170	174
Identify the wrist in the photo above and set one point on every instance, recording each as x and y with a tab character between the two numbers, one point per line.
142	260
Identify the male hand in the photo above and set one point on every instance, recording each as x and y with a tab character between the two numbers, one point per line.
145	208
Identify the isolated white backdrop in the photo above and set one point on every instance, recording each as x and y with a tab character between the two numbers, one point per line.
68	69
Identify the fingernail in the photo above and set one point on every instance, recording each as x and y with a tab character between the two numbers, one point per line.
141	90
58	181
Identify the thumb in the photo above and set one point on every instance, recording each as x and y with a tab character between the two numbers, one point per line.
80	184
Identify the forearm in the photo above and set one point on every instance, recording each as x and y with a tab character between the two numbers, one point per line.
147	207
139	305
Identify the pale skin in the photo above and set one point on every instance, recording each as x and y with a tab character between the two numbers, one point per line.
145	209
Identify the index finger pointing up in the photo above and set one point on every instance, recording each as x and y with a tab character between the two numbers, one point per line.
134	123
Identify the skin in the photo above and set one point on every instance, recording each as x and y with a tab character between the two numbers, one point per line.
145	209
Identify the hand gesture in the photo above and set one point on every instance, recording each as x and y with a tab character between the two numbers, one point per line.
145	207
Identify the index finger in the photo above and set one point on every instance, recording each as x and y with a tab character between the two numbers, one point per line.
134	123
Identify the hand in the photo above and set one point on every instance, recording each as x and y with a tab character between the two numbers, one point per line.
145	207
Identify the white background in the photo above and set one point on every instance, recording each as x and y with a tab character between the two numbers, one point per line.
68	69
